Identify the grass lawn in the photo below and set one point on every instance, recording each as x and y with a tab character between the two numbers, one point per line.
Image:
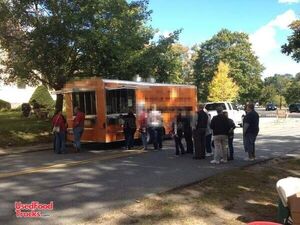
234	197
16	130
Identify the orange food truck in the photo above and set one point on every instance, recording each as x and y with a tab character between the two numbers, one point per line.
105	102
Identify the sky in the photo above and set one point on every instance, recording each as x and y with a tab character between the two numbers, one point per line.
265	21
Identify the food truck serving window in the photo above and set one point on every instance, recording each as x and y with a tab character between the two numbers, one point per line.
119	100
86	101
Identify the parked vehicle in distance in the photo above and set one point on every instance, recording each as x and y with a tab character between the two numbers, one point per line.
294	107
271	107
234	112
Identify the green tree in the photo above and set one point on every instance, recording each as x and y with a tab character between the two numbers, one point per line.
280	83
222	87
293	46
234	49
297	76
292	94
268	94
42	96
51	42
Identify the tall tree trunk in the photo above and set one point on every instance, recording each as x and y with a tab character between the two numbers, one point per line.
59	102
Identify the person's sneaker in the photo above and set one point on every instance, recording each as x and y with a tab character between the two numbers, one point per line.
223	160
215	162
208	154
247	159
251	159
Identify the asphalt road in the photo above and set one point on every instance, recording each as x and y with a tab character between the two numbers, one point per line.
82	186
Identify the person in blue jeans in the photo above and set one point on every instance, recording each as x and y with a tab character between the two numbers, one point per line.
143	127
59	128
155	127
230	137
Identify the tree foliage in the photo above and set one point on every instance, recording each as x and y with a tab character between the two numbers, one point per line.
293	46
42	96
292	94
275	89
4	105
234	49
268	94
222	87
55	41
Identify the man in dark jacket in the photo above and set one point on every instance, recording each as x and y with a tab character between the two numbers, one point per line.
250	131
230	136
220	126
177	127
129	129
199	133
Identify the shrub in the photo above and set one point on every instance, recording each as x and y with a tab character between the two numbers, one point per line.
42	96
4	105
18	109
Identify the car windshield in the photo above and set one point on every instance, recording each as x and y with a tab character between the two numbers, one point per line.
214	106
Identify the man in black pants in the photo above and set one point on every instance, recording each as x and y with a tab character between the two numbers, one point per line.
250	131
188	133
177	128
199	133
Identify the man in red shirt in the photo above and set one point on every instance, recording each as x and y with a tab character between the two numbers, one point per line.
78	127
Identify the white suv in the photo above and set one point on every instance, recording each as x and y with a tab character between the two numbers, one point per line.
234	113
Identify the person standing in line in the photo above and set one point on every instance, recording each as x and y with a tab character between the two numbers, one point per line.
250	131
155	125
230	137
59	128
220	126
129	129
78	127
208	137
143	127
188	132
199	133
177	130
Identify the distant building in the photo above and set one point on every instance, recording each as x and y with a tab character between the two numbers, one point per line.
16	95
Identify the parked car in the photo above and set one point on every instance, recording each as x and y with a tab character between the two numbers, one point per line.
234	112
294	107
271	107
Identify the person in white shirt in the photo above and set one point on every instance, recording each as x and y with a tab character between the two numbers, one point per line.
155	126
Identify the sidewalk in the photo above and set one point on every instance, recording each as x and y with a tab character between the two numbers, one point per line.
26	149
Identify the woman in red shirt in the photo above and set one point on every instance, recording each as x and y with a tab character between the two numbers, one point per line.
59	128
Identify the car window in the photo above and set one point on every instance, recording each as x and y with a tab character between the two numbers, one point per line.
234	106
214	106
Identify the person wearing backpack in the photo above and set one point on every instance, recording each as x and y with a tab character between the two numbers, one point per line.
177	130
129	129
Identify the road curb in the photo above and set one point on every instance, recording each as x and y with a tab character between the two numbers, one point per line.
26	151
